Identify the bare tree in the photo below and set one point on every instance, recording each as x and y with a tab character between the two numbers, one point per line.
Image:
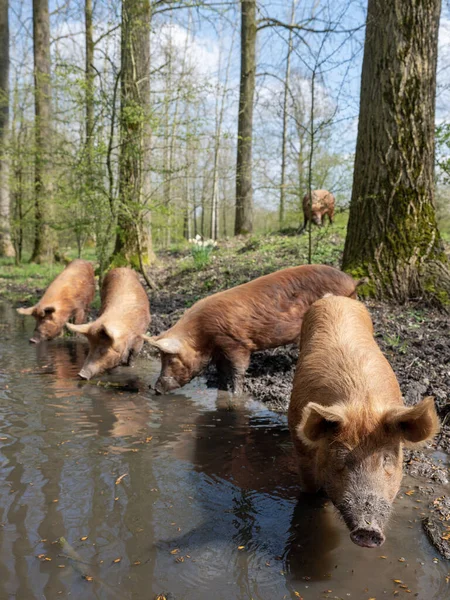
135	132
392	233
44	238
244	192
6	247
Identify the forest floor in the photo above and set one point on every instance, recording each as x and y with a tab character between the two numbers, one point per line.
415	339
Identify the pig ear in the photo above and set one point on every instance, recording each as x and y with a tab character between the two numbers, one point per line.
169	345
415	424
84	329
109	332
26	311
319	422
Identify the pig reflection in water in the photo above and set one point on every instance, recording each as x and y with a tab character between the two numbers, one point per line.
254	453
347	417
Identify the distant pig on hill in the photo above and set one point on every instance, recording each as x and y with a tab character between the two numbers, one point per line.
228	326
115	337
347	418
69	295
323	203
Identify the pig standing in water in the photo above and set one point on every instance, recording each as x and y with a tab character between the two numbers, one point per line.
116	335
347	418
228	326
323	203
70	294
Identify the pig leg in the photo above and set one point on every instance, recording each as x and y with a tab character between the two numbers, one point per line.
224	372
135	349
79	316
240	361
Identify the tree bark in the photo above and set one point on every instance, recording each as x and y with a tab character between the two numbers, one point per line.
6	247
392	234
45	245
134	185
244	193
89	97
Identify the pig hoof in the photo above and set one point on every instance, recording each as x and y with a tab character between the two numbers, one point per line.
83	375
367	538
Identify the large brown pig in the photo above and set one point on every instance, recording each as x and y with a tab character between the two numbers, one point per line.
348	420
323	203
115	337
70	294
228	326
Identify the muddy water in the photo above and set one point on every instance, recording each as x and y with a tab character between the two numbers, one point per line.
189	494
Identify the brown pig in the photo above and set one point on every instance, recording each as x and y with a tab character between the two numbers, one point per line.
115	337
323	203
228	326
347	418
70	294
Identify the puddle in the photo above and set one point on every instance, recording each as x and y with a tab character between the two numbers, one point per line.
194	493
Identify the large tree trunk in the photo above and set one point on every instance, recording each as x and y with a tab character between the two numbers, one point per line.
244	194
392	235
6	247
134	185
89	97
44	238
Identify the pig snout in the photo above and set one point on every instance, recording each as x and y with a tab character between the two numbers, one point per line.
370	537
35	340
85	373
365	516
166	384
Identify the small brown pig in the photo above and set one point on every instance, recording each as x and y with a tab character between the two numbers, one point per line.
70	294
323	203
115	337
347	418
228	326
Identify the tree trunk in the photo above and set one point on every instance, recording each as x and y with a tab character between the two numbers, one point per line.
134	185
244	194
284	136
6	247
89	97
392	235
44	238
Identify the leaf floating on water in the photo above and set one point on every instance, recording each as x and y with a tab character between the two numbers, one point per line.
410	492
398	581
148	439
137	562
119	479
88	577
180	559
384	557
175	551
241	547
446	536
41	556
84	538
401	559
61	566
117	560
298	595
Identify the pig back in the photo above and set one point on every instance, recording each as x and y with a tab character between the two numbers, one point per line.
124	301
267	312
339	360
72	288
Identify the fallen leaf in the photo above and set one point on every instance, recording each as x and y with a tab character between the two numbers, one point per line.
119	479
41	556
84	538
446	536
241	547
148	439
180	559
137	562
383	557
117	560
88	577
298	595
398	581
175	551
410	492
61	566
401	559
47	558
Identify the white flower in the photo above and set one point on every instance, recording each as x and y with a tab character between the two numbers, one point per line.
198	237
